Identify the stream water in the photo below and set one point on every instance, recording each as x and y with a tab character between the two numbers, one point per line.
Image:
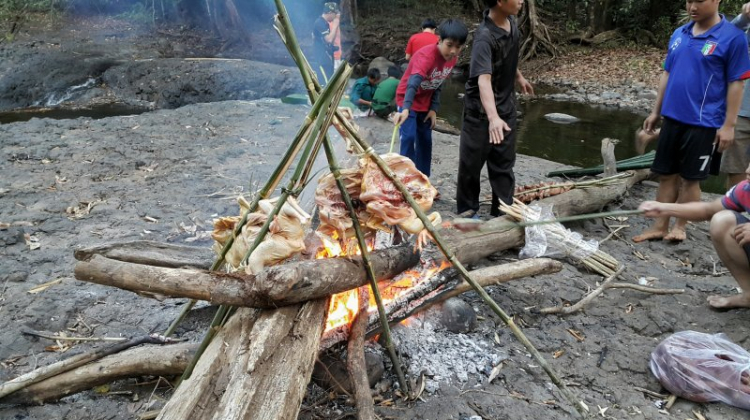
577	144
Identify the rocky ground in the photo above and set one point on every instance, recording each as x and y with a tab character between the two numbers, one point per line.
164	175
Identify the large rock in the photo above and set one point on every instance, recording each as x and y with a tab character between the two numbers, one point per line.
557	117
382	64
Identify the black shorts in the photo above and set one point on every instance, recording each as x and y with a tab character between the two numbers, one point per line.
741	219
685	149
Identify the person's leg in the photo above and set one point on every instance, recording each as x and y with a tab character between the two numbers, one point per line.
408	136
666	166
695	155
734	257
500	162
423	144
735	159
474	143
689	191
669	186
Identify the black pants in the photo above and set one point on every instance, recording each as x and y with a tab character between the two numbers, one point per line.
474	152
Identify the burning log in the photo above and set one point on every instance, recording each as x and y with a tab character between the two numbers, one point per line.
442	287
275	286
355	360
167	361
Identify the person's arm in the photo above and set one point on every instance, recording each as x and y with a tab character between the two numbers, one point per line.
650	123
725	134
412	85
333	31
410	48
526	87
497	126
742	21
695	211
356	94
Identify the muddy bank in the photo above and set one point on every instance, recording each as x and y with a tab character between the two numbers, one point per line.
183	167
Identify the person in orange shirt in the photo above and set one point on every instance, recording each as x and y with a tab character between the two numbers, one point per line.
422	39
336	44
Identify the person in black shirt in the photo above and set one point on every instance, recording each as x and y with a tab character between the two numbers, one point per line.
323	38
488	131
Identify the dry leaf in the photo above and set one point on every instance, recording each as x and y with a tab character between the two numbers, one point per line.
576	334
558	353
629	308
32	241
45	286
495	371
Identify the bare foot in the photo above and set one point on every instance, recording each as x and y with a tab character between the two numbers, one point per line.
676	235
729	302
649	235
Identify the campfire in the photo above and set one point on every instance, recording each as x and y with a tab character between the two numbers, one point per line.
344	306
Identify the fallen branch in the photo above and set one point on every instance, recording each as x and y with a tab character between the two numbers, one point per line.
167	361
355	360
607	284
45	372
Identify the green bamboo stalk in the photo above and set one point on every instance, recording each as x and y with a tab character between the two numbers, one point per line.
332	92
637	162
450	256
336	171
290	40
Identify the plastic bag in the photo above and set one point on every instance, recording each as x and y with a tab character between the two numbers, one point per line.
703	368
553	239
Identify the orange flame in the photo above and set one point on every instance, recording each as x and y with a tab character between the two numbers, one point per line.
345	306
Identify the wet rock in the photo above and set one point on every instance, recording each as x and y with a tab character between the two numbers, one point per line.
647	94
557	117
381	64
457	316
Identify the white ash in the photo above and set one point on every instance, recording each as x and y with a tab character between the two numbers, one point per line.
444	356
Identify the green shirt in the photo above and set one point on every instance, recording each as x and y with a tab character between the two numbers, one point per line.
362	89
385	93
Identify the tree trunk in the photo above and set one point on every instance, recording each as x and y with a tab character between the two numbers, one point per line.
275	286
148	360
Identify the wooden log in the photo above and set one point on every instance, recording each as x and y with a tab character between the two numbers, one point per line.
150	253
275	286
608	156
471	247
147	360
73	362
355	360
257	367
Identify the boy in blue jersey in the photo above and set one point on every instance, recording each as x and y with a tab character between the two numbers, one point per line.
699	96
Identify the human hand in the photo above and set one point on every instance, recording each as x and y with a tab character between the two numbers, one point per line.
400	117
742	234
497	130
724	137
652	209
432	116
526	87
650	123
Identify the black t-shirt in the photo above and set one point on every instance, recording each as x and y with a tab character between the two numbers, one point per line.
321	48
495	51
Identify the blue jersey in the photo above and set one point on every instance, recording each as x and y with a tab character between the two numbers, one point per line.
700	69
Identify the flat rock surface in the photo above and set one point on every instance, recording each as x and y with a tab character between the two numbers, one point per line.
164	175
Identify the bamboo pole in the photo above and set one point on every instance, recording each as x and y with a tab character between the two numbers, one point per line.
332	92
333	164
290	40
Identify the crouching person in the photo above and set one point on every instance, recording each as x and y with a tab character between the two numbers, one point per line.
730	234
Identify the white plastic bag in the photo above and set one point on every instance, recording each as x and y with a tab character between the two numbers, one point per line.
553	239
703	368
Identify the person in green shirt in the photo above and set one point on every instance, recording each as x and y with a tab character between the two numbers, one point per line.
384	100
364	89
